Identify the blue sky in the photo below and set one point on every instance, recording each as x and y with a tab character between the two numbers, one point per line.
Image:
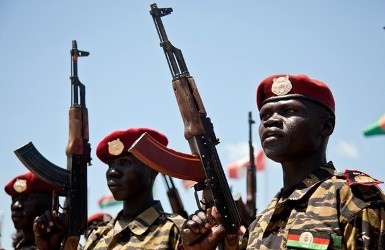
229	48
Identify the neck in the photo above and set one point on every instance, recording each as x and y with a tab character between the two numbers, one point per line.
136	205
295	172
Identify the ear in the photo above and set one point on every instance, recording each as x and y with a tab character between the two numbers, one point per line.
328	124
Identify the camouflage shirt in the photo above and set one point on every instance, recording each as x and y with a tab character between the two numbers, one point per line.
152	229
328	210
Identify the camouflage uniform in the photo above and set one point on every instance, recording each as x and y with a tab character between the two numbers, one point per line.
328	210
152	229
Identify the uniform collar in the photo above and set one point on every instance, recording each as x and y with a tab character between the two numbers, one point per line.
142	222
320	174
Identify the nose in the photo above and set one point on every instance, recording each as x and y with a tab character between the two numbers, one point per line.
273	121
16	205
112	171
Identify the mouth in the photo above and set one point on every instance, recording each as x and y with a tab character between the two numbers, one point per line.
271	135
17	217
112	184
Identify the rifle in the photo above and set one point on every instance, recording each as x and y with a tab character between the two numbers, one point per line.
251	175
198	131
248	211
173	197
72	180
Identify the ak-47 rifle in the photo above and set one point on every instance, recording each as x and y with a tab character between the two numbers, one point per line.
251	200
198	131
72	180
248	211
174	198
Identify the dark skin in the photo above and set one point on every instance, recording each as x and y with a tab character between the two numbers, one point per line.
25	208
294	133
131	181
128	179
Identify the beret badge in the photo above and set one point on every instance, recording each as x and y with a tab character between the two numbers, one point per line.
115	147
20	185
281	85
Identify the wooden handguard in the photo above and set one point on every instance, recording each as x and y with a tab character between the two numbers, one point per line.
78	130
189	101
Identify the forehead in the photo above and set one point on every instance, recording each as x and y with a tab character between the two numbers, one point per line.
124	156
289	102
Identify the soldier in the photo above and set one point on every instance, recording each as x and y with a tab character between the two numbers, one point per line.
31	197
142	224
318	207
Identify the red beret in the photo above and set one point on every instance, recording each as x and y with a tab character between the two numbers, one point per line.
120	141
101	217
283	86
28	183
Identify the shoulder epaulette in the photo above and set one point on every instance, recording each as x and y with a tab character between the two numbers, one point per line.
176	219
355	177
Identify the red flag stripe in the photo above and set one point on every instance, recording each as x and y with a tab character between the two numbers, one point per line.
381	122
237	169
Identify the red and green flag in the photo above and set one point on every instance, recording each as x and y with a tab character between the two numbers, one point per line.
238	169
376	128
108	201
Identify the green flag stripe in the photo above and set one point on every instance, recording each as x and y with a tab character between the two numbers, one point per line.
109	203
376	128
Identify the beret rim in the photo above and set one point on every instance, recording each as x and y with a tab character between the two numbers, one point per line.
297	96
286	86
127	138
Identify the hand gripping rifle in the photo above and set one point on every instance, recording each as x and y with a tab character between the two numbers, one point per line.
72	180
198	131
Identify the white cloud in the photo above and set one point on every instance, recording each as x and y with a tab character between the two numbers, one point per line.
236	151
347	149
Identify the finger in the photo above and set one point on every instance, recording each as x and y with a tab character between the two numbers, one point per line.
37	227
213	216
59	221
194	226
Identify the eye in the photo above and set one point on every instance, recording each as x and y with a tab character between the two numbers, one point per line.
125	161
289	111
31	197
263	116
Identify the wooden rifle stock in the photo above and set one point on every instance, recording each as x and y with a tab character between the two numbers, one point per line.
198	131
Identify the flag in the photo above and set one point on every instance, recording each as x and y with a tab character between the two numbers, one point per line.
108	201
238	169
376	128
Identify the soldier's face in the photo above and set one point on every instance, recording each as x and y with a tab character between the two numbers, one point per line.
127	177
289	129
25	208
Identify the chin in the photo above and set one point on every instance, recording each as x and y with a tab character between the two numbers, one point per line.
274	155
